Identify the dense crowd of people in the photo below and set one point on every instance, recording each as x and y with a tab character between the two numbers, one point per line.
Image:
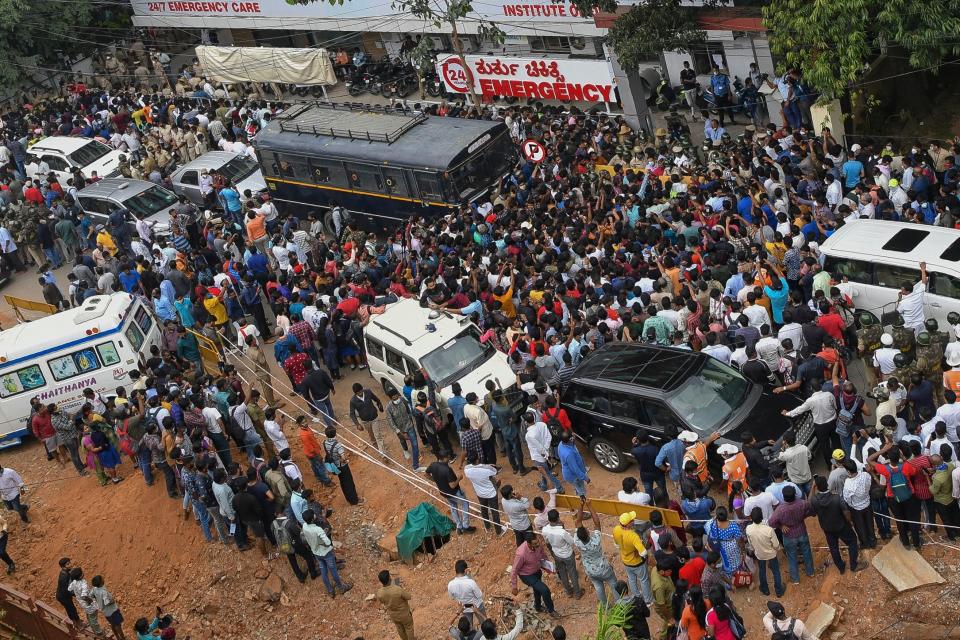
718	254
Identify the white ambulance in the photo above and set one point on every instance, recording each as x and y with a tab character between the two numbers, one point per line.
55	358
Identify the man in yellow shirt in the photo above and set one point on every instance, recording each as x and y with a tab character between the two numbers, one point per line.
105	240
215	307
633	555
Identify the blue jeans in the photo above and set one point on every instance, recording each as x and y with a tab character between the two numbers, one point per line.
542	483
514	452
328	569
845	443
791	112
414	448
805	487
649	484
881	509
320	471
250	440
143	458
459	509
200	510
793	547
774	565
580	487
639	580
54	257
324	407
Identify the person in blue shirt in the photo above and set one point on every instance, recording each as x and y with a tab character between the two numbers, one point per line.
258	264
456	404
185	310
670	459
733	286
720	84
230	201
745	205
130	280
852	170
713	131
572	467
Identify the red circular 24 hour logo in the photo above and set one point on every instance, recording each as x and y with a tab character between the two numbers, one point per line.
456	76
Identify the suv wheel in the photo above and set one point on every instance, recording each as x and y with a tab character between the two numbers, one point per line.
608	455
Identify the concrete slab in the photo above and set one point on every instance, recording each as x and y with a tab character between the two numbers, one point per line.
820	620
904	569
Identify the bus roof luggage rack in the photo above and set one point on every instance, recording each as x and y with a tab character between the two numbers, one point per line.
353	121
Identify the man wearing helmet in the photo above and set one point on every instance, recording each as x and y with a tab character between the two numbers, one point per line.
929	355
910	301
904	338
868	341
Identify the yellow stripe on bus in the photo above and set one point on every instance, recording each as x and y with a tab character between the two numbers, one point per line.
362	193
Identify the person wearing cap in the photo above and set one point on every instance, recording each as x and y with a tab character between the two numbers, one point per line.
696	451
735	468
883	362
838	475
633	554
776	621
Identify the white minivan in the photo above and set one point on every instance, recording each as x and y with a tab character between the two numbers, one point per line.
881	256
55	358
65	153
408	337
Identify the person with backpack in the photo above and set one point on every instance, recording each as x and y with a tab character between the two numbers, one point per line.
899	482
335	458
783	627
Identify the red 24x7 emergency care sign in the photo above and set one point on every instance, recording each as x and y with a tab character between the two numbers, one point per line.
537	78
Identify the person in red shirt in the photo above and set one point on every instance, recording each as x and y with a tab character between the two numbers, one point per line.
42	427
295	366
904	504
692	569
831	322
553	412
32	194
349	306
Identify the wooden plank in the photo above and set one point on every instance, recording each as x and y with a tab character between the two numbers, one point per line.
671	518
904	569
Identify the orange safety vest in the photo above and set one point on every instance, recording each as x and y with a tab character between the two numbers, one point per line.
698	453
735	469
951	380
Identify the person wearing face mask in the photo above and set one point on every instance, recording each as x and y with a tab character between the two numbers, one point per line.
400	417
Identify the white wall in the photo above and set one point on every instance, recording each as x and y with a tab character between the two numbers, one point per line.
737	51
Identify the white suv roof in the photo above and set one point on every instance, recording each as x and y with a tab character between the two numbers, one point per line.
63	144
404	324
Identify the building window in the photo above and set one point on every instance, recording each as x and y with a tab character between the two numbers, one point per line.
549	44
706	55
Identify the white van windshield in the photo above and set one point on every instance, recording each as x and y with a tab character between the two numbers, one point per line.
89	153
452	360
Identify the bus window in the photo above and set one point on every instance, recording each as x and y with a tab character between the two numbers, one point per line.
26	379
429	186
291	167
134	336
395	181
364	177
108	353
329	172
73	364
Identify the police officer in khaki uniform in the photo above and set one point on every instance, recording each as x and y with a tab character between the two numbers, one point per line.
929	358
868	341
941	338
903	337
904	368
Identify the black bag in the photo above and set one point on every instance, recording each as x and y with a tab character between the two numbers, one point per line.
234	430
554	426
786	634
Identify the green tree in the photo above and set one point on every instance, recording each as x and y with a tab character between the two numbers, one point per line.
651	27
37	34
833	42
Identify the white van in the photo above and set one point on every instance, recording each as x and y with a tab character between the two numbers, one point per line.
55	358
408	337
64	153
881	256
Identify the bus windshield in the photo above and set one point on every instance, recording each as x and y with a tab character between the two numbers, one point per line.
452	360
485	167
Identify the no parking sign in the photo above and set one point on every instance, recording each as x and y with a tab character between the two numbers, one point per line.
534	151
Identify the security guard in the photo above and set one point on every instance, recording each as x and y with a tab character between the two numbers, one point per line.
903	338
868	341
905	367
929	358
942	338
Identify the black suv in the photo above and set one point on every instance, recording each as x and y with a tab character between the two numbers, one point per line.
623	387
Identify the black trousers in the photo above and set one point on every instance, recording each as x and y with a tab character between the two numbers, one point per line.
489	511
950	517
863	525
909	510
304	552
347	486
70	608
850	539
489	447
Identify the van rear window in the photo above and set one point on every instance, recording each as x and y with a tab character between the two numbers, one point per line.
905	240
953	251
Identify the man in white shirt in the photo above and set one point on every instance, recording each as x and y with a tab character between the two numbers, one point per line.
764	501
485	483
756	314
11	486
464	590
631	494
910	301
883	357
719	351
769	349
538	442
561	543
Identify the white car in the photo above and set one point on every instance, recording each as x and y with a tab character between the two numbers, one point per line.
239	169
64	153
